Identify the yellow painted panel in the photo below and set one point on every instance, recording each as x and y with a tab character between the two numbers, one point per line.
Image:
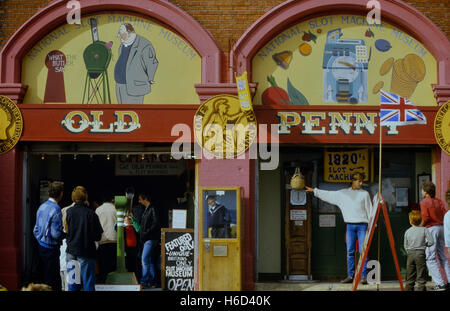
221	272
178	70
303	54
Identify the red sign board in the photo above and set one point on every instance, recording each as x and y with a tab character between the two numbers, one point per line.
163	123
105	123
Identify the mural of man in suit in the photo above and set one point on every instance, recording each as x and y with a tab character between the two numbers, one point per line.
135	68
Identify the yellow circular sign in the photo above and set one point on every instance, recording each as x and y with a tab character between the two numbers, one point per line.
11	124
442	127
223	128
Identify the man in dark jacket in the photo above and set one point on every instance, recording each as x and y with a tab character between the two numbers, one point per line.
84	229
150	234
138	211
48	231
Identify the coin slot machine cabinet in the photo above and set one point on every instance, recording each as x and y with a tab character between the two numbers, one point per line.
345	68
220	239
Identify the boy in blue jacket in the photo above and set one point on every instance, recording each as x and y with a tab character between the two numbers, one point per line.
48	231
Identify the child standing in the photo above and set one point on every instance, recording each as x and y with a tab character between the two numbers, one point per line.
417	238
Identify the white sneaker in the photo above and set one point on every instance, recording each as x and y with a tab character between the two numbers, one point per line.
439	288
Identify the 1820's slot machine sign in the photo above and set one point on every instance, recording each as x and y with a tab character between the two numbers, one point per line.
340	165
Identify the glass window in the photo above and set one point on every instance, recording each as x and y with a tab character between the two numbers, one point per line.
219	214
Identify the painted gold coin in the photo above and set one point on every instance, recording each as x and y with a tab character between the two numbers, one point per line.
378	87
387	65
414	67
442	127
401	83
399	71
222	128
11	124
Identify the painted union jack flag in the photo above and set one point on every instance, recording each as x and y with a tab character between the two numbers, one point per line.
397	110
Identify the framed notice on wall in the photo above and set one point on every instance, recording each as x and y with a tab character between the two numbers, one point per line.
401	195
421	179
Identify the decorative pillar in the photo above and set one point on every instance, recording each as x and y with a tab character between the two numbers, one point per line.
11	220
442	94
236	173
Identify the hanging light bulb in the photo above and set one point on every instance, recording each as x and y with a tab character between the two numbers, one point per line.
42	156
142	157
74	156
107	157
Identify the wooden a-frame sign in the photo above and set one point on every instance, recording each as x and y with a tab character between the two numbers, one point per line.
377	202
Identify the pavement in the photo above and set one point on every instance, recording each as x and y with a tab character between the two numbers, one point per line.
329	286
386	286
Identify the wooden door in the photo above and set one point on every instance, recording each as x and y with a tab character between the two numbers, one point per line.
220	258
298	219
221	265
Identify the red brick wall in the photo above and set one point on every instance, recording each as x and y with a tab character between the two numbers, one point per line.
226	20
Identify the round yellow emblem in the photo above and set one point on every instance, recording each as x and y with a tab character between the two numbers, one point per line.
442	127
222	128
11	124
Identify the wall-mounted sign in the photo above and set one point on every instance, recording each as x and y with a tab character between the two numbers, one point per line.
244	95
327	221
179	217
177	256
223	128
11	124
148	165
297	214
442	127
111	123
340	165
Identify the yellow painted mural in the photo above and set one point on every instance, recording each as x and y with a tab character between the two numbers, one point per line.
342	60
112	59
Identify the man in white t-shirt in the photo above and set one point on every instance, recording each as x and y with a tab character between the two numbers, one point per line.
356	207
107	249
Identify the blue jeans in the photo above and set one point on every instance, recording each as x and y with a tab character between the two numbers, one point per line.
355	232
149	262
87	273
436	253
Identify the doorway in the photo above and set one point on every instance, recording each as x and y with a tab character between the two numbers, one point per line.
297	224
163	178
